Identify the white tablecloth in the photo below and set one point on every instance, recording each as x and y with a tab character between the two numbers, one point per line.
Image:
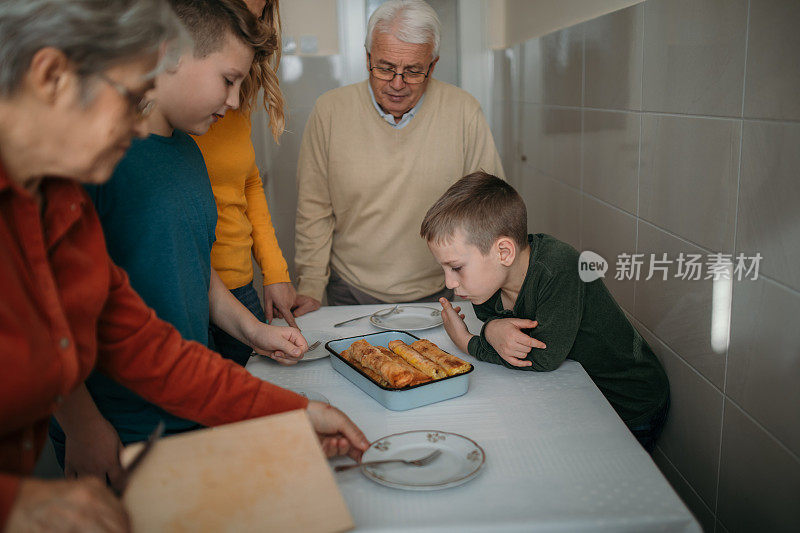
558	458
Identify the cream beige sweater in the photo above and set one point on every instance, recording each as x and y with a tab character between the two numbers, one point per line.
364	187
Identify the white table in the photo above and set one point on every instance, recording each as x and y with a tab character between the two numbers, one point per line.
558	458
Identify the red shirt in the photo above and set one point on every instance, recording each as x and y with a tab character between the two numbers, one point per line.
65	307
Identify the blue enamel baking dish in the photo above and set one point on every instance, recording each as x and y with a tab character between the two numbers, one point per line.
396	399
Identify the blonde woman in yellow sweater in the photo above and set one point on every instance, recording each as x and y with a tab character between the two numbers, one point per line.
244	226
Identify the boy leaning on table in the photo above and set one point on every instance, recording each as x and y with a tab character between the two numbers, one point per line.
518	282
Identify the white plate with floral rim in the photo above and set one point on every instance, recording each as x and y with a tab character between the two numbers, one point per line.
460	461
408	318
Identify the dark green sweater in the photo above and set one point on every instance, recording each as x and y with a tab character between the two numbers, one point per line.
579	321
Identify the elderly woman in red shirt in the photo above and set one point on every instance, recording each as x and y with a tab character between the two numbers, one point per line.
74	75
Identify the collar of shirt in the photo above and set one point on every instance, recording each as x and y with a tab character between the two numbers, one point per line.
388	117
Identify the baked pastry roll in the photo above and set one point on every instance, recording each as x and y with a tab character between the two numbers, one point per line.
371	357
417	360
419	377
450	363
374	376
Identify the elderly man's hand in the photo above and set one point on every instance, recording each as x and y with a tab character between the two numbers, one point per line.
84	505
337	433
305	304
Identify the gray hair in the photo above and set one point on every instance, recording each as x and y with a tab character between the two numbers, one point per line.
411	21
94	34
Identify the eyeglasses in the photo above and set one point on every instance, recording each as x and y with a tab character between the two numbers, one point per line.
139	103
408	76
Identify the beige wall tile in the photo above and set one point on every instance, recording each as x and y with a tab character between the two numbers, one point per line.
764	357
304	79
532	71
609	232
553	68
773	76
759	479
280	182
769	196
613	50
551	141
689	177
553	207
694	55
611	157
691	435
678	311
696	505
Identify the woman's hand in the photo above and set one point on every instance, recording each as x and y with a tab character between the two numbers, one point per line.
66	506
282	301
279	300
94	451
337	433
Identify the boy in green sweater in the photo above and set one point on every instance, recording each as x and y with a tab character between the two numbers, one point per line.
518	283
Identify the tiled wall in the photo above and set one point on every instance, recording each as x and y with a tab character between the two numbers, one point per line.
674	126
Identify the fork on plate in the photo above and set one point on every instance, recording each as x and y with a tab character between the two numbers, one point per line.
381	314
422	461
312	347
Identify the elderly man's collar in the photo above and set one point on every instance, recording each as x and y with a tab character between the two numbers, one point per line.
388	117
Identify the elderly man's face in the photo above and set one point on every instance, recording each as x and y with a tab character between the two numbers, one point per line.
396	96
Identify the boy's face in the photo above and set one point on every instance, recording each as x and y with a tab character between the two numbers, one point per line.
471	274
201	90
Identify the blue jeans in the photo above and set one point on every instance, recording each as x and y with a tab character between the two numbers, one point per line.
647	434
225	344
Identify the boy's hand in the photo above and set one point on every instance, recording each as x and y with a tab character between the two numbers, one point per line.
454	325
506	337
283	344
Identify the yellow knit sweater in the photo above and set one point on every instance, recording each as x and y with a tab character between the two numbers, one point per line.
244	225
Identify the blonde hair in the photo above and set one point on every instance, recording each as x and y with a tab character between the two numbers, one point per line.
263	73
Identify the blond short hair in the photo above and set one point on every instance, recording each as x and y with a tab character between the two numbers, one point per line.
484	207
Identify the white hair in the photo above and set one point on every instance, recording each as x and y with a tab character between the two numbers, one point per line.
94	34
411	21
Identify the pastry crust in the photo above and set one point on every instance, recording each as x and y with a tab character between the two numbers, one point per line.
374	376
417	360
450	363
393	369
419	377
371	357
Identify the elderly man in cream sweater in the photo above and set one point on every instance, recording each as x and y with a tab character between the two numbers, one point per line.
375	155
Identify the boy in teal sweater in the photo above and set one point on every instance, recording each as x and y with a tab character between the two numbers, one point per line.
518	283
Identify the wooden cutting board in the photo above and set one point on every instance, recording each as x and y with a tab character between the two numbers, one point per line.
265	474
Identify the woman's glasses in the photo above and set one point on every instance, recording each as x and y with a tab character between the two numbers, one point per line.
140	104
